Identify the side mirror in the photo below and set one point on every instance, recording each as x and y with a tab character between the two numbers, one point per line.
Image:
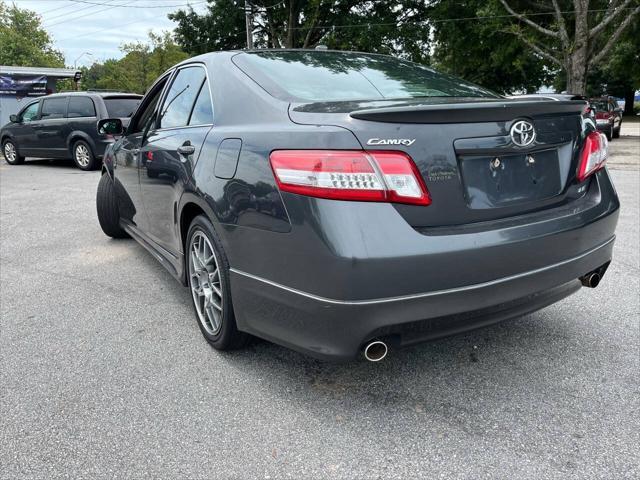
13	118
110	126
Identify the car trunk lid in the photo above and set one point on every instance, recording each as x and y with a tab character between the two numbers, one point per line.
466	153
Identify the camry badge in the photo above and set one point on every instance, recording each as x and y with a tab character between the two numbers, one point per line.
522	133
391	141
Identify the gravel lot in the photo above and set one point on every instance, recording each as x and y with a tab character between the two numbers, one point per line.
104	373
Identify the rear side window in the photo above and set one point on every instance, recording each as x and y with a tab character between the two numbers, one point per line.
81	107
54	108
202	111
121	107
178	104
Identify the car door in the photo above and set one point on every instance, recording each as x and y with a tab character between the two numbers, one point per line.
127	157
23	132
170	150
50	128
81	116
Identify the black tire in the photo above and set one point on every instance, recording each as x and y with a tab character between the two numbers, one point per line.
609	133
616	132
83	156
227	336
11	153
107	206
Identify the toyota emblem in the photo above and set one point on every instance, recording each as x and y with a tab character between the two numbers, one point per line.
522	133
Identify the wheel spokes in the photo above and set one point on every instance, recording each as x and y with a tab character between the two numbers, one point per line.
205	282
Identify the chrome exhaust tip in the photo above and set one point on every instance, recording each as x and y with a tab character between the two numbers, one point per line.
591	280
375	351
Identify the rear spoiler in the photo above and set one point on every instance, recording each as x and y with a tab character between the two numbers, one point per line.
468	112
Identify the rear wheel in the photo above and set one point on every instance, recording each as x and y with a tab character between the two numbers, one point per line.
208	278
10	152
107	206
83	156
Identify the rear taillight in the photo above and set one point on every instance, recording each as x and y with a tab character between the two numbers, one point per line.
594	154
371	176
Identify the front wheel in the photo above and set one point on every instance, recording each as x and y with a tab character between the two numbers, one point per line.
83	156
208	278
107	206
609	133
10	152
616	132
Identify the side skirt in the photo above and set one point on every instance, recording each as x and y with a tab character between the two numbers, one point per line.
173	263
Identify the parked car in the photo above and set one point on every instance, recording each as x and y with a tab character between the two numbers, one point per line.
338	202
63	125
608	116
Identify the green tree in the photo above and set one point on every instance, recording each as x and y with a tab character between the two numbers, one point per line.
347	24
620	75
471	40
23	41
574	35
138	69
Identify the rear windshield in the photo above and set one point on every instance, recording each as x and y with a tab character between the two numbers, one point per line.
600	106
121	107
318	76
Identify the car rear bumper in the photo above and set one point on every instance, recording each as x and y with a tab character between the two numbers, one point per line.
415	286
335	329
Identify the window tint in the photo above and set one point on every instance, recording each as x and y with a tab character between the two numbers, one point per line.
121	107
81	107
178	103
30	112
202	111
336	76
144	119
54	108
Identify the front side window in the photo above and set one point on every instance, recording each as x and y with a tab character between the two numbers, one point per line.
202	110
30	113
178	103
81	107
54	108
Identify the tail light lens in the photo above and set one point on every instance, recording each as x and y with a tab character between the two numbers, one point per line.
594	154
371	176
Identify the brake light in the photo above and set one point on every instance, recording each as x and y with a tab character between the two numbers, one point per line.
594	154
371	176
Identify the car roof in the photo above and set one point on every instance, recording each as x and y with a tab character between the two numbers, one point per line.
96	94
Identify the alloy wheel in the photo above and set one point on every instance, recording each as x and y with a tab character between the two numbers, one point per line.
205	283
83	157
10	152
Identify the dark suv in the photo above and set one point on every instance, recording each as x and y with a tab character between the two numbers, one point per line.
63	125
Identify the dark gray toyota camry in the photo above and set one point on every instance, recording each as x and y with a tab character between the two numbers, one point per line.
340	202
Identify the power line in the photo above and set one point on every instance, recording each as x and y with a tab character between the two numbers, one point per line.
139	6
88	14
70	13
118	27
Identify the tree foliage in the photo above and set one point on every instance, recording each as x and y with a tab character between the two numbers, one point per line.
138	69
23	41
574	35
382	26
473	42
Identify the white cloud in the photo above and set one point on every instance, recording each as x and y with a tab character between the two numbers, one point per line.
78	27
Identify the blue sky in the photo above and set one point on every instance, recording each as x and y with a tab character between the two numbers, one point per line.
99	27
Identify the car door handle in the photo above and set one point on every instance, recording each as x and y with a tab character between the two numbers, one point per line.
186	149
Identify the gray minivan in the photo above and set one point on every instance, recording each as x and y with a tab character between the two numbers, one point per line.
63	125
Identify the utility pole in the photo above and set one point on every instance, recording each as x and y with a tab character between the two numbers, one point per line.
249	24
